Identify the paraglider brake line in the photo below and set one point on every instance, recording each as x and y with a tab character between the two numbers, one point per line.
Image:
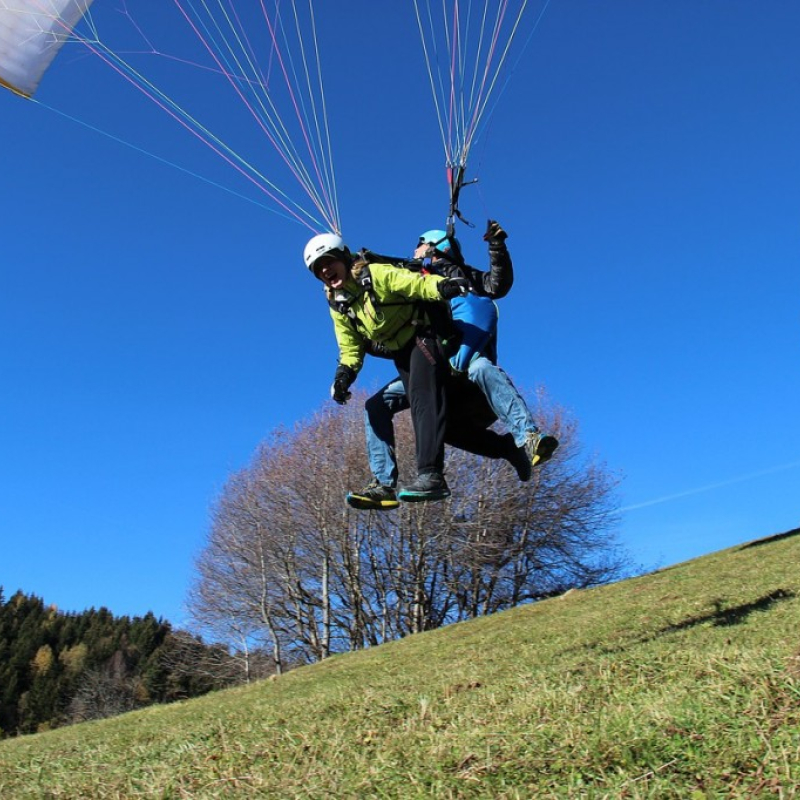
456	185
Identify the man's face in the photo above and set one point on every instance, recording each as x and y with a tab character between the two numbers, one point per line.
331	271
424	250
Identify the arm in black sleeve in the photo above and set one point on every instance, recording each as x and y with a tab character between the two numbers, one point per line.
494	283
497	282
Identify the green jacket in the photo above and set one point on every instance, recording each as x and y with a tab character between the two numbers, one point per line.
390	322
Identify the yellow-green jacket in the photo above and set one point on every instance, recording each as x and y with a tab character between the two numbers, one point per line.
390	320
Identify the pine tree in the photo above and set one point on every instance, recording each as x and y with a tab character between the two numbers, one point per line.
60	667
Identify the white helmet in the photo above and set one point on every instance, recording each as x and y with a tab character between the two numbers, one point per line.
325	244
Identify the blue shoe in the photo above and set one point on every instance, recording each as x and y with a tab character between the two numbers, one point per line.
428	486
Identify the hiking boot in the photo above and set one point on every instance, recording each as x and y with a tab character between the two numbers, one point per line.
428	486
540	447
519	459
376	497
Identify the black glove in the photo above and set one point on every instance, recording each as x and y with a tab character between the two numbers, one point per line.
342	381
378	349
494	233
453	287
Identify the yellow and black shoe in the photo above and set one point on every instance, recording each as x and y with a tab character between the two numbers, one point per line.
374	497
540	448
518	458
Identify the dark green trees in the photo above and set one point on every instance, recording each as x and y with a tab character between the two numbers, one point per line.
58	668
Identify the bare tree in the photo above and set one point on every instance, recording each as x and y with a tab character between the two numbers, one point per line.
195	667
105	692
289	566
243	584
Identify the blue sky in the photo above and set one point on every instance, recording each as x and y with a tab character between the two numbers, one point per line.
644	158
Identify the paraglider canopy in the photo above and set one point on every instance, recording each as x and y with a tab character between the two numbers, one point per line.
259	60
31	34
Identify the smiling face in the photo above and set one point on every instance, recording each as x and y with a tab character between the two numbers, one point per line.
424	250
331	271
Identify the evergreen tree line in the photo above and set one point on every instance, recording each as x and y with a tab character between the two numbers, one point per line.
288	565
58	668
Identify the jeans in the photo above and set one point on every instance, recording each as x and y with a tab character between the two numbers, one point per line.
379	411
505	401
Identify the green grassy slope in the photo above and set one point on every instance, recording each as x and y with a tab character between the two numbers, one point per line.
680	684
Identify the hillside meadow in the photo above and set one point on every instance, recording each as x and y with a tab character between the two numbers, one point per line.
684	683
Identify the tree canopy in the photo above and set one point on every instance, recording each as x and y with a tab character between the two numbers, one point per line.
287	563
57	668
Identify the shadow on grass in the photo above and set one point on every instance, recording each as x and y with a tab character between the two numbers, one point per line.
719	617
730	616
769	539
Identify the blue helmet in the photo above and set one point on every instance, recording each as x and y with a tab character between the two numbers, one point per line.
439	239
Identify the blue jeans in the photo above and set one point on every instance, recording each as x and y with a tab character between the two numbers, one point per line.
503	398
379	411
506	402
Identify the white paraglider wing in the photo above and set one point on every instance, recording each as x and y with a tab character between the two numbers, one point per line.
260	58
31	34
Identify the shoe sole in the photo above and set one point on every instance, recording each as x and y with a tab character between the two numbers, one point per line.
366	504
544	451
413	497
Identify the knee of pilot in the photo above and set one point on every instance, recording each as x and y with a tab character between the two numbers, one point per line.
477	369
369	405
373	405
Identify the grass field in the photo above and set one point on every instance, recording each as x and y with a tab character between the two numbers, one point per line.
680	684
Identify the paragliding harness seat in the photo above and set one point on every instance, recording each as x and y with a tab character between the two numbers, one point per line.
429	316
465	327
471	319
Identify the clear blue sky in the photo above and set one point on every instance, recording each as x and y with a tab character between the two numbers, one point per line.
645	158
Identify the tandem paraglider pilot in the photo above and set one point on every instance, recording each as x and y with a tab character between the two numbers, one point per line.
397	309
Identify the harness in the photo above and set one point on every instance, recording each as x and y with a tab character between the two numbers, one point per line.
465	327
343	301
426	314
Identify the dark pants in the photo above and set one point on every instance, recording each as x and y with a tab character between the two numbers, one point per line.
423	369
468	417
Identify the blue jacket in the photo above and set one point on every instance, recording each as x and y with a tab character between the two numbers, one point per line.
476	320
